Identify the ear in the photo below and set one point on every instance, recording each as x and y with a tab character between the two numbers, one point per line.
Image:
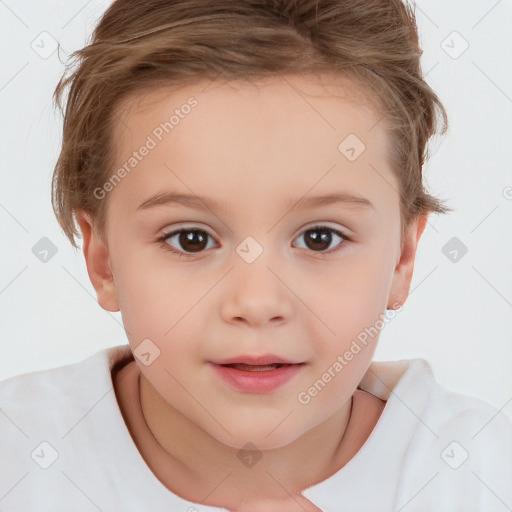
403	271
98	264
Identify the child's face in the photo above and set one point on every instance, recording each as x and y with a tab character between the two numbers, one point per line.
304	298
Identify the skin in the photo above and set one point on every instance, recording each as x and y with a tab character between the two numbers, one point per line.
251	147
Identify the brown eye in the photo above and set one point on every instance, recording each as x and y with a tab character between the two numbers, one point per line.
188	240
320	238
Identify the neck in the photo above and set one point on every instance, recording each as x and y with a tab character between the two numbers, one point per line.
197	467
277	473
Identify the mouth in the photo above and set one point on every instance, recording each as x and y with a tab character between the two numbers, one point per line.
254	367
256	378
255	360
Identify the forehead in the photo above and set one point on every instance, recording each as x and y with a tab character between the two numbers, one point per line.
327	85
244	138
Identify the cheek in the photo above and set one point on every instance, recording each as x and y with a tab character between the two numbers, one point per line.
150	291
330	385
353	307
165	311
355	293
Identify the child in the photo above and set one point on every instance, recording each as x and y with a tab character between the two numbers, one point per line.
258	131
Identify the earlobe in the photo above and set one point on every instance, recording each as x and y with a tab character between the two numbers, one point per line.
402	276
98	264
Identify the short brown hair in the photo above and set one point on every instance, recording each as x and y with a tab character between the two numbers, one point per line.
138	46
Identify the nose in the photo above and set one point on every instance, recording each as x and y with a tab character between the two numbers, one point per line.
255	294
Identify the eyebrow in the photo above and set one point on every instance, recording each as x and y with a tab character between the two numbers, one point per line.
208	203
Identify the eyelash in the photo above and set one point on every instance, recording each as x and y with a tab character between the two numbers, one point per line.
163	240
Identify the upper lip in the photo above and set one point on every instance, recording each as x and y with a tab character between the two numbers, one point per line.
256	360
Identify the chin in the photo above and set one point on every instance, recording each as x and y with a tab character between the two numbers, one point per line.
264	436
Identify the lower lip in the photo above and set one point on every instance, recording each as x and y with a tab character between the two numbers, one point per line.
255	381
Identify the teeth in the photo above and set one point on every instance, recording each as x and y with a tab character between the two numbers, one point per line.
254	368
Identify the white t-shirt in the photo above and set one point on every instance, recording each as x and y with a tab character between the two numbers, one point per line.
64	446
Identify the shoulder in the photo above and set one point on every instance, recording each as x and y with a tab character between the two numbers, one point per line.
48	418
44	397
459	448
40	381
410	386
443	412
60	382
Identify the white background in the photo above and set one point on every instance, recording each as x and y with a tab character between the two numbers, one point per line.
458	316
